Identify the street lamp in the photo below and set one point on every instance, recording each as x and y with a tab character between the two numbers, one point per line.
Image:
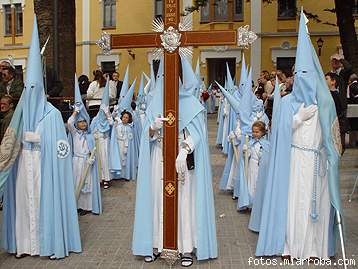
319	45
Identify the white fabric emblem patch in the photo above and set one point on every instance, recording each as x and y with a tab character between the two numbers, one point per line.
63	149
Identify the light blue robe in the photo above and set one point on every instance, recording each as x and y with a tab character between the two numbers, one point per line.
118	169
255	218
309	88
59	232
192	116
59	229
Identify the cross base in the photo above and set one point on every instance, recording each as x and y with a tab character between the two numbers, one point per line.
171	256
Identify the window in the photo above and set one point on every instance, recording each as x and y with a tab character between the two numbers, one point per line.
220	10
238	10
8	19
285	64
355	8
108	67
19	72
109	13
205	12
158	9
286	9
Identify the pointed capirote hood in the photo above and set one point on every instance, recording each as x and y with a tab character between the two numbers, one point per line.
304	85
125	102
35	98
234	103
83	114
243	74
125	84
230	86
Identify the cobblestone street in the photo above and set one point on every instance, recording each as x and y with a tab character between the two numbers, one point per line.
106	239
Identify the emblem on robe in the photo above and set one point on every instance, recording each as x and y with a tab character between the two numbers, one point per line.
63	149
130	136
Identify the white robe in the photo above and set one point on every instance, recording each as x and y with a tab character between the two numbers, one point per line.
253	169
104	145
123	142
226	120
28	189
186	201
81	154
304	237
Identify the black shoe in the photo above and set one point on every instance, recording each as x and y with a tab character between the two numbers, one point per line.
186	261
83	212
149	259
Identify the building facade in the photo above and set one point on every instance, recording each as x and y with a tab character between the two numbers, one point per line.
276	25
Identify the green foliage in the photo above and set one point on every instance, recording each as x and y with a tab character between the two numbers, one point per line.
196	6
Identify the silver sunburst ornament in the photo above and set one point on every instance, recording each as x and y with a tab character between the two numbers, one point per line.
105	43
245	37
171	37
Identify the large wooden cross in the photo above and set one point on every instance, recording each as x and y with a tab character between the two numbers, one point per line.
171	97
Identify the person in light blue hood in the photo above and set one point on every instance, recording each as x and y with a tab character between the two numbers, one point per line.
40	212
212	100
233	99
123	140
255	218
101	129
302	190
82	147
196	214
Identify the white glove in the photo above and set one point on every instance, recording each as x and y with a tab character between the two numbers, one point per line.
232	135
180	163
90	161
259	114
305	113
157	124
238	130
77	107
115	108
244	147
105	109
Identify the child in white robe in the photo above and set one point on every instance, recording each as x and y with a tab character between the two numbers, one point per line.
125	139
89	199
255	151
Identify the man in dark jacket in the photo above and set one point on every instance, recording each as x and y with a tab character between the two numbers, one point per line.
6	112
343	69
332	82
353	89
118	83
10	85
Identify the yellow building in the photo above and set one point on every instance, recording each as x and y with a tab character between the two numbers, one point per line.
276	25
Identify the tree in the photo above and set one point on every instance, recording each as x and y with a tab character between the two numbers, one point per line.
347	32
345	23
57	19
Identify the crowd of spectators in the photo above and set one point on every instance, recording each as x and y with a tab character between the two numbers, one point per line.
341	80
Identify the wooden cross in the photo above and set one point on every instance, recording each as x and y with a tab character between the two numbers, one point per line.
171	98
